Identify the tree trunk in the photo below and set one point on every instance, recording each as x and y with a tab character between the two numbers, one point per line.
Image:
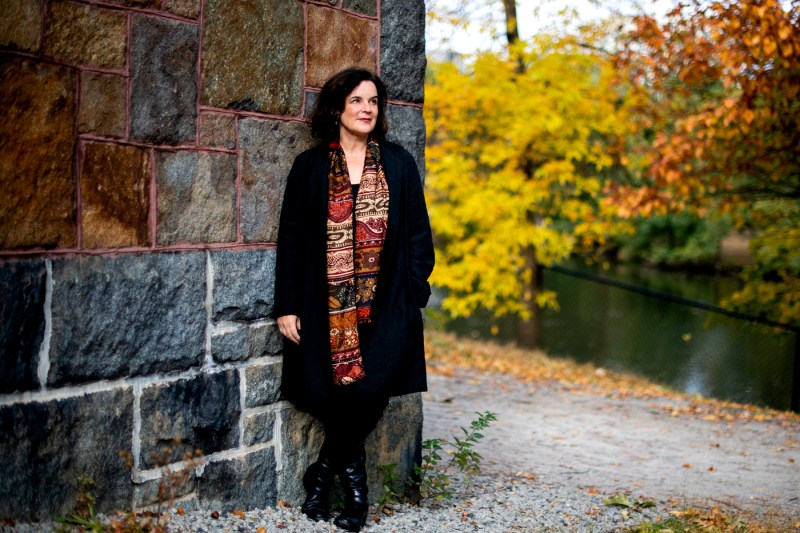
528	331
512	33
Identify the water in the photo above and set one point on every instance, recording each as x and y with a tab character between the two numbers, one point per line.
687	349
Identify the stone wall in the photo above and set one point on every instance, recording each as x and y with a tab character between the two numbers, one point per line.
143	151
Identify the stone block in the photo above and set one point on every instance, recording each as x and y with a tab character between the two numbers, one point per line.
166	490
262	385
310	103
403	49
22	295
267	149
88	35
246	341
185	8
301	438
407	128
102	104
181	416
21	24
47	447
253	55
246	482
218	130
37	140
115	196
127	315
396	440
196	197
368	7
259	428
243	284
163	76
340	41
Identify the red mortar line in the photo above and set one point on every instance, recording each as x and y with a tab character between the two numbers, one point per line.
128	81
378	45
78	165
111	252
160	12
402	103
238	184
50	60
252	114
163	147
256	114
42	27
305	50
153	212
199	73
340	7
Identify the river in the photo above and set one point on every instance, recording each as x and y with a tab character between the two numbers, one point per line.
685	348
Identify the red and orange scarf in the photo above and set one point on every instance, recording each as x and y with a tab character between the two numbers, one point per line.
353	263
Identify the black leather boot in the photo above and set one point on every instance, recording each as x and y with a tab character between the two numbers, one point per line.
317	481
356	504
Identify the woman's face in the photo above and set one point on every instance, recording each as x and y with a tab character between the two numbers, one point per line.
360	112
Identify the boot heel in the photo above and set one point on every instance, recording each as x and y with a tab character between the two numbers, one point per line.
317	481
356	502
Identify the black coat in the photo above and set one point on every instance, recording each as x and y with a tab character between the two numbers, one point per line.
394	357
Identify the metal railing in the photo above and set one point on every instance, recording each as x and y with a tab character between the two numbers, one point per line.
705	306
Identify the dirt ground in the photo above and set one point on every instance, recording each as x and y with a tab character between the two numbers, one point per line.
598	443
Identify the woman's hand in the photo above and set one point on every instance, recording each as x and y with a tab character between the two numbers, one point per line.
289	325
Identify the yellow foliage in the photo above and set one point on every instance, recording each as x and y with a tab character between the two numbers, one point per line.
515	162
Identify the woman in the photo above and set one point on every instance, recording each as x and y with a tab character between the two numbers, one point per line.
351	277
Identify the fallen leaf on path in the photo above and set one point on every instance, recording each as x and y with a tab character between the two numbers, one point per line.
686	465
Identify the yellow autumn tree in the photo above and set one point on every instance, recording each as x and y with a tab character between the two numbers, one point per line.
519	145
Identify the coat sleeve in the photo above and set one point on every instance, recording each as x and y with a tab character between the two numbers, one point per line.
421	254
288	283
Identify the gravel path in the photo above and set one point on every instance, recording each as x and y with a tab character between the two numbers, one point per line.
592	443
553	456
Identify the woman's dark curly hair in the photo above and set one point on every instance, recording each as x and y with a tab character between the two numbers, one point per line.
330	104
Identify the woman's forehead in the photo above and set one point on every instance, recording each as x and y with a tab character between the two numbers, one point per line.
365	88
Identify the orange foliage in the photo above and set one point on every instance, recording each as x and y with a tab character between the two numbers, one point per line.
722	81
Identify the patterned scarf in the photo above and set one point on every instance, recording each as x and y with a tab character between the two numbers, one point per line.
353	264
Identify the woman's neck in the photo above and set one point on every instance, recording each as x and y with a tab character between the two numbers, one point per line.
352	144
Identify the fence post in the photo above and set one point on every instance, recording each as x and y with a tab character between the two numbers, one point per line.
795	405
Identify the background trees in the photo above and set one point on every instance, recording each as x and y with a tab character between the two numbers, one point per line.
519	144
682	125
719	122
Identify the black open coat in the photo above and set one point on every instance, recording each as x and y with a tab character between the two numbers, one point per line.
394	359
